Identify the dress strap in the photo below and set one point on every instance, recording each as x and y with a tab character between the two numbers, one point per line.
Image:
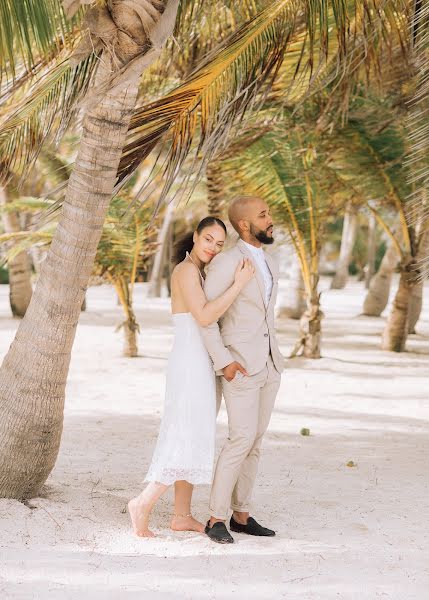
190	257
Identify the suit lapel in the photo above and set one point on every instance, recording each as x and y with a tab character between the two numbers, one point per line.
270	264
259	277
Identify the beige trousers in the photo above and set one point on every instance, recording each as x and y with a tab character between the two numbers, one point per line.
249	403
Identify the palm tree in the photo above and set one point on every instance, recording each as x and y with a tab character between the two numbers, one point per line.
376	169
126	244
122	42
55	306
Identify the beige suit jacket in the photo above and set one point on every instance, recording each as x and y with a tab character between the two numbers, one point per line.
245	332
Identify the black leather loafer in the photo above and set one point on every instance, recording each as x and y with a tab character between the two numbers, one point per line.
252	527
219	533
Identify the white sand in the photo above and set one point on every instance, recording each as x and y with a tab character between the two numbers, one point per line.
343	533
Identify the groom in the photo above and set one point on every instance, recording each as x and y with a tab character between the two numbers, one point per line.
244	350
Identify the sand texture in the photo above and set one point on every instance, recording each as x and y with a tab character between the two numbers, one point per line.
358	532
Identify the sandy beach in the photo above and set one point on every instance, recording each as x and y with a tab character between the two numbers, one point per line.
343	532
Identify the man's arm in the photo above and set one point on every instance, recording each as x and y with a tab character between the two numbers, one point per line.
220	276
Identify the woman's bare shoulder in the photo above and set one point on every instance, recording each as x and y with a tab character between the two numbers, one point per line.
185	271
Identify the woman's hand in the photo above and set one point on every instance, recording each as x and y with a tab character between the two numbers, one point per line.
244	272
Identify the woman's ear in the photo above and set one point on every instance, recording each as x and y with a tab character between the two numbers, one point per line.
194	237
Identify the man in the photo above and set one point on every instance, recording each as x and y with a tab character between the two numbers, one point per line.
244	350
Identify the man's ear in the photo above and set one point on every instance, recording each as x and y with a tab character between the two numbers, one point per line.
243	225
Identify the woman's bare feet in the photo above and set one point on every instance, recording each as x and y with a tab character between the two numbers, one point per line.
186	524
139	514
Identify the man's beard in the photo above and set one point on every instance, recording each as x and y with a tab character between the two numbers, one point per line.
261	235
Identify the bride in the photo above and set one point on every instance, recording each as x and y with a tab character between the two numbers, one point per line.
184	452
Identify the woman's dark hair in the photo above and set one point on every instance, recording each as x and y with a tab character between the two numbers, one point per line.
186	243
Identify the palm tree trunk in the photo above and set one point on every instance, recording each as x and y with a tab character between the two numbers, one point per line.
415	306
215	200
347	242
396	330
293	303
32	400
379	288
20	289
372	247
310	325
155	282
130	325
416	300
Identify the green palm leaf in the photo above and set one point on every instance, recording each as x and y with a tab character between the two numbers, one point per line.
45	110
31	30
196	119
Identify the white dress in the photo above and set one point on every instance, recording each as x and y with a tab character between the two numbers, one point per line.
186	441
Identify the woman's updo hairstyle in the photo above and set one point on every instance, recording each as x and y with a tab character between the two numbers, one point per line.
186	243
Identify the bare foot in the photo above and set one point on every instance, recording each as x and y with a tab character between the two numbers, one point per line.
139	514
186	524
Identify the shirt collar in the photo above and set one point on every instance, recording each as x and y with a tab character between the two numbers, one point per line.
254	249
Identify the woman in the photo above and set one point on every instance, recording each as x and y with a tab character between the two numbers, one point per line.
184	453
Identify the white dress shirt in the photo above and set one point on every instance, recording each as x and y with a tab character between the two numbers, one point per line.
261	263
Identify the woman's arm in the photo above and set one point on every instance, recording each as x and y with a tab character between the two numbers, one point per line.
203	311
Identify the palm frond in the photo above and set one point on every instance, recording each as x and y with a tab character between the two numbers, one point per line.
45	110
195	119
418	118
31	30
20	241
219	92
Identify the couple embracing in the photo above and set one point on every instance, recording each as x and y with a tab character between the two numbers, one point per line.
224	325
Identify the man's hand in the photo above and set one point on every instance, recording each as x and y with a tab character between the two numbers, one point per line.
230	371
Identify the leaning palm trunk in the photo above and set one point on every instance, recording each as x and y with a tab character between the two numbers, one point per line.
32	399
155	283
379	288
347	242
293	303
20	289
396	329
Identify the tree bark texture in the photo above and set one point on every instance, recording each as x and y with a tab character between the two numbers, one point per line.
311	323
396	330
416	300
